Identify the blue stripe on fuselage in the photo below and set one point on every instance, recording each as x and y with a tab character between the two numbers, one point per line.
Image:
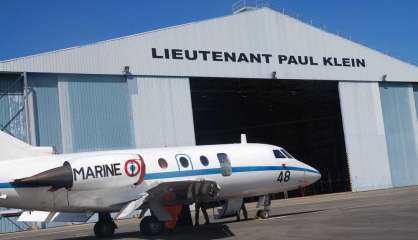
189	173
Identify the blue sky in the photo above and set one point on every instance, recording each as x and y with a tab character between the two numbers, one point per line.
33	26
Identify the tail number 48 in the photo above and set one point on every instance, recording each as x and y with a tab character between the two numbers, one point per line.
284	176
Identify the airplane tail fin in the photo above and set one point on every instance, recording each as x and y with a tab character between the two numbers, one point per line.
13	148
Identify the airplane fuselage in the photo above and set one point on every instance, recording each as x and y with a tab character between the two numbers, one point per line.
104	181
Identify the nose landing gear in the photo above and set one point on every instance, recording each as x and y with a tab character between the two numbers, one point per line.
264	201
105	227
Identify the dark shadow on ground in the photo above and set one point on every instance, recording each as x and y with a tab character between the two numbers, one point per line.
204	232
216	230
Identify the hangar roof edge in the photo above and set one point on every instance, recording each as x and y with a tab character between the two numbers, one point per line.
196	22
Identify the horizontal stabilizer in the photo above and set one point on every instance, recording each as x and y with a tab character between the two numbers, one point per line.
71	217
13	148
10	213
35	216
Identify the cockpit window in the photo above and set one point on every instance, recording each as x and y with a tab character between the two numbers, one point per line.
278	154
287	154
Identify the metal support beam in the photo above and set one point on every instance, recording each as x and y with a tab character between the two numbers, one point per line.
26	106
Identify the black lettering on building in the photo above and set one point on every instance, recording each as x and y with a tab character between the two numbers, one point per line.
282	58
267	57
303	60
166	53
204	55
192	57
177	54
292	60
154	53
255	57
346	62
360	62
327	61
217	56
336	63
242	58
230	57
312	61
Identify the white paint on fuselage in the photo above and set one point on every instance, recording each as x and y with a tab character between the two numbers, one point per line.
239	184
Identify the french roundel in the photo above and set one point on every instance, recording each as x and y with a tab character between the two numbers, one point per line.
132	168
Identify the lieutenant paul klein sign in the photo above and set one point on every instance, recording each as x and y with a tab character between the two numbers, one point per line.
261	58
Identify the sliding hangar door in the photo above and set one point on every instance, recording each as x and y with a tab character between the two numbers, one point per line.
381	132
79	113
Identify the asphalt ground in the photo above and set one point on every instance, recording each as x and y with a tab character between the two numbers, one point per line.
383	214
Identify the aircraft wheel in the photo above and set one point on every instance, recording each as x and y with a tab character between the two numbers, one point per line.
104	229
263	214
150	225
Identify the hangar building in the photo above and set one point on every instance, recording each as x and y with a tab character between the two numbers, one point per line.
345	109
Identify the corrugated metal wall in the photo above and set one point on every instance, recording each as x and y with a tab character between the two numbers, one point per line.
11	224
162	111
364	136
94	113
12	106
401	128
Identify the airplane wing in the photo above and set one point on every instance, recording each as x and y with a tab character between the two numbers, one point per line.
155	198
171	193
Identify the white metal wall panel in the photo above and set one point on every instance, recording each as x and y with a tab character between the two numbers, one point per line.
260	31
364	136
65	117
162	112
401	129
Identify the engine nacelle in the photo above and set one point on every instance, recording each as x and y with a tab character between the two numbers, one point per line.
106	171
91	173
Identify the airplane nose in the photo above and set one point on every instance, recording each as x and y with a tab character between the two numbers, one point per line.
312	175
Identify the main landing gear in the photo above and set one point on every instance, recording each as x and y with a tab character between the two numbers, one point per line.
105	227
150	225
264	202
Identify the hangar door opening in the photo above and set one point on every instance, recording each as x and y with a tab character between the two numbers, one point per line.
302	116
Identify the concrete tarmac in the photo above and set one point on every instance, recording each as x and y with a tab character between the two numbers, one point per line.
383	214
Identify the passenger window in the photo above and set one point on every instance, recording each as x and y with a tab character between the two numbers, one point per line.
278	154
204	160
162	163
287	154
225	163
184	162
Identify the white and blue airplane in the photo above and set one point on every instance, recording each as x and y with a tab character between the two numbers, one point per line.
50	187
